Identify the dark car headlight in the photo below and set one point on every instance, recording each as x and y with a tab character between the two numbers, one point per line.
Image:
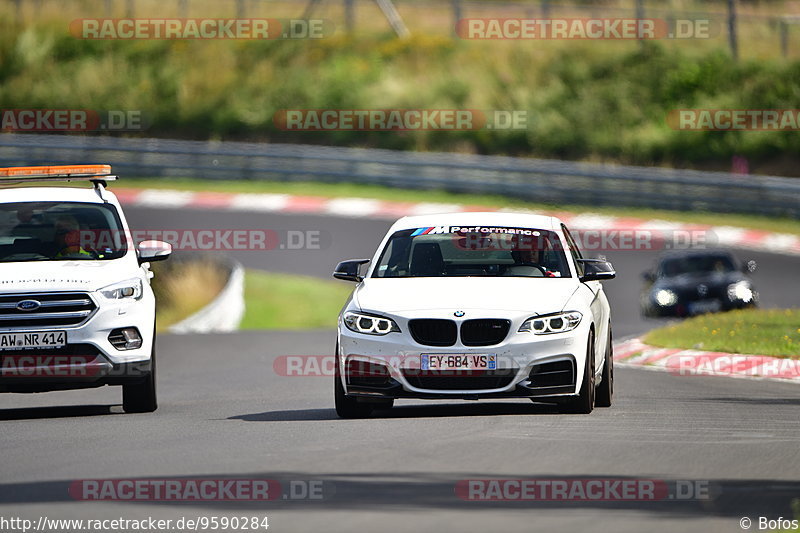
665	297
740	291
369	324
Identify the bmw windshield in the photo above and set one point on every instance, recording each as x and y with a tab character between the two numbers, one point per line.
452	251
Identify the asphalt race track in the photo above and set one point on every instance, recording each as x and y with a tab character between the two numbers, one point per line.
225	413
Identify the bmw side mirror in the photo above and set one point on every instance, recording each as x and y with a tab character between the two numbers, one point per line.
150	251
596	270
350	270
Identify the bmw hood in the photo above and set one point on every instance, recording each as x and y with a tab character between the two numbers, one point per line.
529	295
45	276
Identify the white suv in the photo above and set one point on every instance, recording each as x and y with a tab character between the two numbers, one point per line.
76	307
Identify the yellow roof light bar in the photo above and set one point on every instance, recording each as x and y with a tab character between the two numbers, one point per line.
57	173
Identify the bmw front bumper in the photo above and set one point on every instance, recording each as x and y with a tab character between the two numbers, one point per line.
528	365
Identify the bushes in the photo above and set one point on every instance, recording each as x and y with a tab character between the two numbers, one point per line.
583	102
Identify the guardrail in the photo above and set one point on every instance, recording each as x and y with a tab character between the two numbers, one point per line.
539	180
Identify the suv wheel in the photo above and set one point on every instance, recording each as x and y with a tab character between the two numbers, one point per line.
141	397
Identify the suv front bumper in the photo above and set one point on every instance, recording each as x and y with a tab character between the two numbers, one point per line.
88	359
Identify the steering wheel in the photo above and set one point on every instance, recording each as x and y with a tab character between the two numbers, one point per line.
538	267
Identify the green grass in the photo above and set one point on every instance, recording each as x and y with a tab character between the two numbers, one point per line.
272	301
773	332
782	225
286	301
183	288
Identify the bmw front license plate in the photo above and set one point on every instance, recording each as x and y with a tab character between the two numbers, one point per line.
40	339
458	361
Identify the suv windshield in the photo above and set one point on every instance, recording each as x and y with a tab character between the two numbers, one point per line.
60	231
697	264
450	251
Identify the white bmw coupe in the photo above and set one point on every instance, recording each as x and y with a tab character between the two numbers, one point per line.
475	305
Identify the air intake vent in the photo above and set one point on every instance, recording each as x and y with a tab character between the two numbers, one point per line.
446	380
553	374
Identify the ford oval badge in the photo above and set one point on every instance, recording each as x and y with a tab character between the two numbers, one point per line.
29	305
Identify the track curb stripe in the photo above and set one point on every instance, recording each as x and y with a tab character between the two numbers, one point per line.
727	236
678	362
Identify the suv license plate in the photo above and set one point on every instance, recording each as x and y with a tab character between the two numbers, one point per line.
33	339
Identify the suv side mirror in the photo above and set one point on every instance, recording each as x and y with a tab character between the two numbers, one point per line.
596	270
150	251
349	270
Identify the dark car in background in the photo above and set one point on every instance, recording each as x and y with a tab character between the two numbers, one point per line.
697	281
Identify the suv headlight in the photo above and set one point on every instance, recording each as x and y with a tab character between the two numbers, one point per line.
741	290
369	324
555	323
131	288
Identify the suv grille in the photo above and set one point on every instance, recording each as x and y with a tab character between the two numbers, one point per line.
484	331
55	309
433	331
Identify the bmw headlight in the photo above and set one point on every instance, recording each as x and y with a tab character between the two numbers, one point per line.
369	324
555	323
131	288
741	291
666	297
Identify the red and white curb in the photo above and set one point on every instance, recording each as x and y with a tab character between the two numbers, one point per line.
699	363
725	236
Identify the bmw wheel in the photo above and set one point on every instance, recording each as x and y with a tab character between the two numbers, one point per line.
584	402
